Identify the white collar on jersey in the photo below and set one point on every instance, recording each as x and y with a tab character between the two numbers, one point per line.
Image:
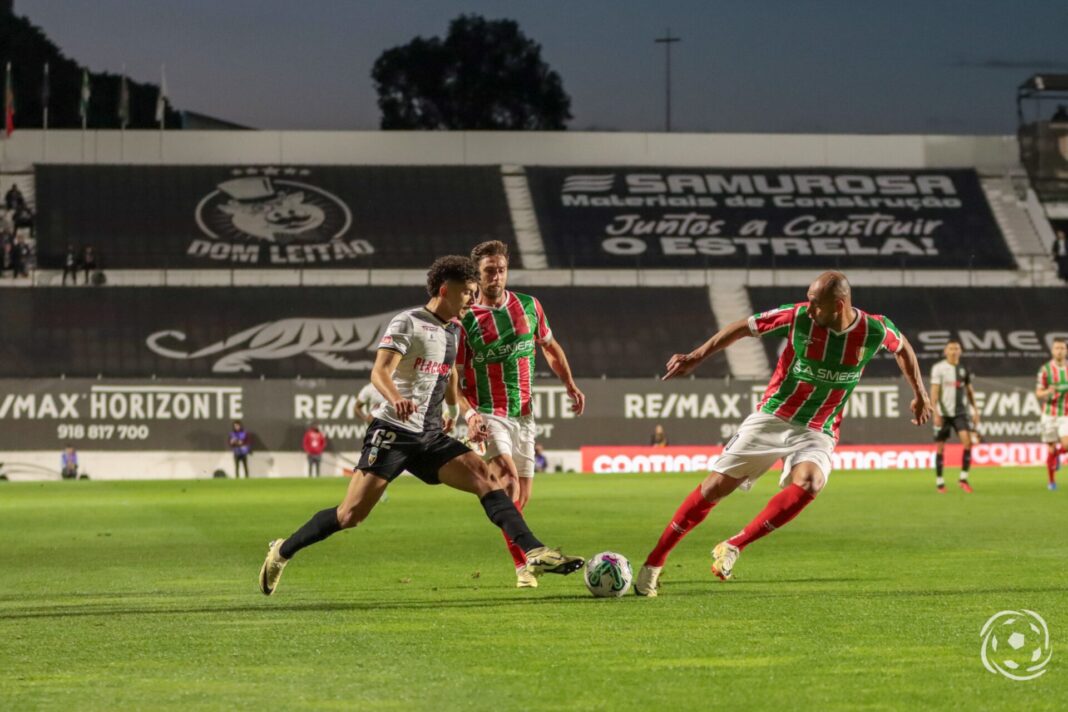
507	298
852	325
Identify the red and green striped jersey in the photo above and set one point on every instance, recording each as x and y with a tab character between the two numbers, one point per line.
495	357
819	367
1054	376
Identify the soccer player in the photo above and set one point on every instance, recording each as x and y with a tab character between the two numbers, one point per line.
412	370
828	344
496	365
951	381
1052	387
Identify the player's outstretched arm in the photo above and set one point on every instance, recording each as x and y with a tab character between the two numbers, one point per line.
557	360
382	377
684	364
910	369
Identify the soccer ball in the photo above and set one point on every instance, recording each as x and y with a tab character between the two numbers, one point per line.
608	575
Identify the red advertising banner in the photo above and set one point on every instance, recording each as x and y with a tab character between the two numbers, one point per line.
602	459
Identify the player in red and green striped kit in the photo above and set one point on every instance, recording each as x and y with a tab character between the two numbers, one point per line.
495	360
828	344
1052	387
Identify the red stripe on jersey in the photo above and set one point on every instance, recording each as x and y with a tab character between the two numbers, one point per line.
837	424
834	399
520	323
855	341
781	369
486	325
498	391
797	399
526	407
817	342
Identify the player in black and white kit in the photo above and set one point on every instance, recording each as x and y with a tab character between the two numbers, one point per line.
413	370
955	410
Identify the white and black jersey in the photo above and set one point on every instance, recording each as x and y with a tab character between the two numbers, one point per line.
427	346
953	382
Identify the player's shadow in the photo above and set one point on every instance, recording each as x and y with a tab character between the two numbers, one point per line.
265	607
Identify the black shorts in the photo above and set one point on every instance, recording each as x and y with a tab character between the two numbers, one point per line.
958	423
388	451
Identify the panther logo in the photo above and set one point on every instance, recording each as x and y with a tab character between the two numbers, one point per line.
328	341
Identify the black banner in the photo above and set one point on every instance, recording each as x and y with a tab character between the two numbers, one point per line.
686	217
1003	331
313	332
234	217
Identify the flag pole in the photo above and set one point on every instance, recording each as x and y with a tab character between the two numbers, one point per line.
123	109
44	111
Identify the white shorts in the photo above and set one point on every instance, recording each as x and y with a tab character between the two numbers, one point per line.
762	439
513	437
1054	427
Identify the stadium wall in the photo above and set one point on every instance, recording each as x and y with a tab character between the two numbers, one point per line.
172	429
565	148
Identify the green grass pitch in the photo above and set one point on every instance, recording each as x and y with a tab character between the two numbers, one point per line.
143	596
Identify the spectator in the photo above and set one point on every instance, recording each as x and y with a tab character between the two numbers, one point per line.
1061	115
17	263
89	261
541	463
13	199
659	438
7	260
70	265
314	445
239	444
1060	254
22	253
68	463
23	218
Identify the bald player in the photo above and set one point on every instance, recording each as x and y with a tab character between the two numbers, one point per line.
829	342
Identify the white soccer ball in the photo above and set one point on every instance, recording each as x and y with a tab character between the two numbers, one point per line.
608	575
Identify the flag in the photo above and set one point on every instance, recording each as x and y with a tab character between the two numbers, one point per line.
124	102
161	100
9	102
83	100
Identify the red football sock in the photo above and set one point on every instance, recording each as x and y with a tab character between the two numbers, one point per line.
1051	463
690	513
780	509
518	555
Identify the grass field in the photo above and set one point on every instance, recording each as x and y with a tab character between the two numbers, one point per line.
143	595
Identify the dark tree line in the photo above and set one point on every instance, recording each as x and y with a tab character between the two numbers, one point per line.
28	48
